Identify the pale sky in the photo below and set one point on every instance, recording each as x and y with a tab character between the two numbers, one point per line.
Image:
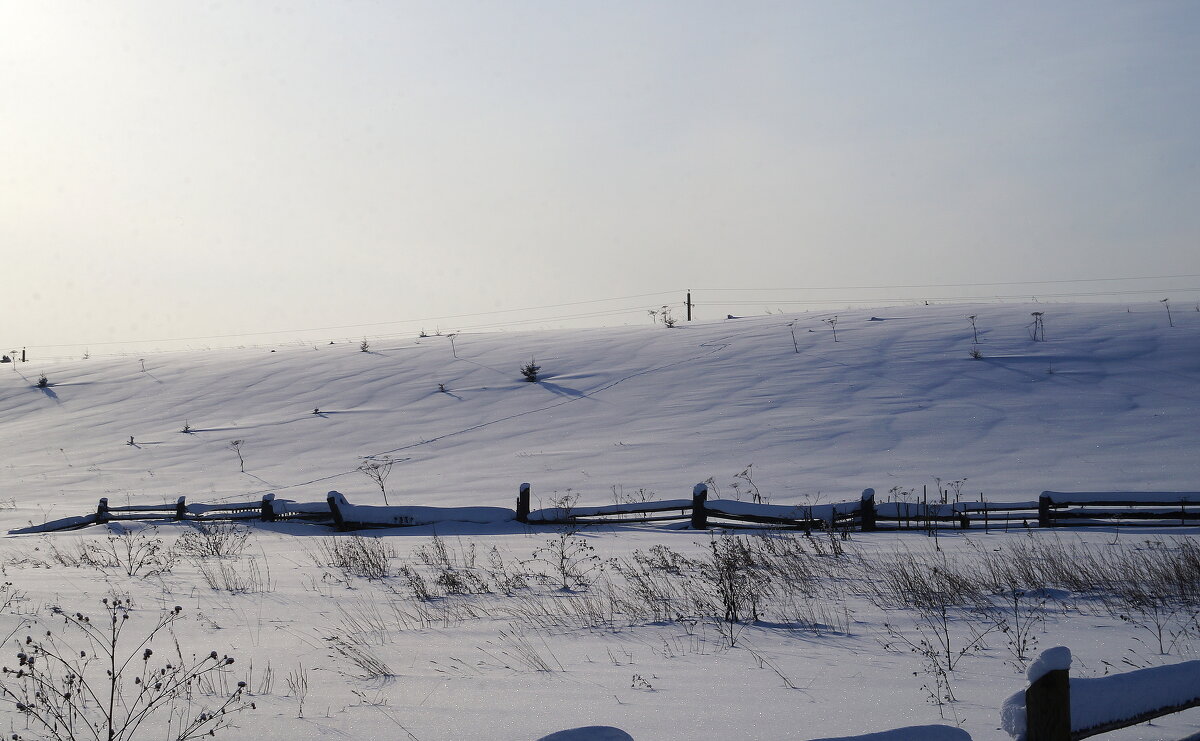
174	170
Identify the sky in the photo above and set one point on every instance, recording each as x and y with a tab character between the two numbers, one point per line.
223	173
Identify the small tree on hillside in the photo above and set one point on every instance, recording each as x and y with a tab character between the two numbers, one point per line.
530	371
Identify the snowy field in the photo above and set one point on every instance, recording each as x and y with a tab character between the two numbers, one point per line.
403	639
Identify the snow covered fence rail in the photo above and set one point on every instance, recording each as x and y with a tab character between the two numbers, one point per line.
268	509
923	515
1053	509
1056	707
1109	508
699	511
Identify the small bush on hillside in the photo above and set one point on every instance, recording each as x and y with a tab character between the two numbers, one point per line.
43	382
530	371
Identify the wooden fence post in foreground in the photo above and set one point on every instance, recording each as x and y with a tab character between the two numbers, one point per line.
338	519
1048	707
867	510
1045	518
102	511
268	507
523	503
699	513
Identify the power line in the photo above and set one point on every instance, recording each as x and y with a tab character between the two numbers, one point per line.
1011	297
955	285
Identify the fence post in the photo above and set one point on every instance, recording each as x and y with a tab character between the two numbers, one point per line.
867	510
102	511
338	519
180	508
1048	707
1045	517
268	507
523	503
699	513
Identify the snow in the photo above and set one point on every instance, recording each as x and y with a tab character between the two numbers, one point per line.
1050	660
1013	715
1146	497
911	733
416	515
1101	700
658	505
1098	701
589	733
624	415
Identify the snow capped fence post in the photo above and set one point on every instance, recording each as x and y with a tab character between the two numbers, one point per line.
699	513
180	508
1045	518
102	511
867	510
523	503
268	507
338	519
1048	699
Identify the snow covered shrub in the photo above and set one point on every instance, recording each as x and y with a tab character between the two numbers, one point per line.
730	583
360	653
131	551
530	371
213	540
975	354
416	584
1024	612
507	579
653	587
355	555
571	560
942	635
233	577
923	582
89	683
1154	588
456	572
43	382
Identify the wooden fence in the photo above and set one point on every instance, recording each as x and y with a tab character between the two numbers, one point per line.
1051	509
1105	509
1055	707
1059	708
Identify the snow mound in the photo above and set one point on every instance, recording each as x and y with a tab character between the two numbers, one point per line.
1103	700
1052	659
589	733
910	733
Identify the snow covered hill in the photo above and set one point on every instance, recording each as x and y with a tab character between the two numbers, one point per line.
1108	401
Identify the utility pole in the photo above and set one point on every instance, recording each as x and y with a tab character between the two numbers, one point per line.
688	303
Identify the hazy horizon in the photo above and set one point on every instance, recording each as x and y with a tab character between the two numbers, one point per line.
176	171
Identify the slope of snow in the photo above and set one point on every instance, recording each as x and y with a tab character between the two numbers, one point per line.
892	403
620	415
